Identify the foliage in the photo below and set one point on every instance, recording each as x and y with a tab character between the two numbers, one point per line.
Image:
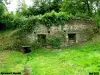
54	18
7	20
77	59
96	17
97	21
27	25
82	15
48	19
19	22
54	41
11	21
36	45
30	24
55	12
80	6
52	12
19	42
73	6
42	7
1	9
84	58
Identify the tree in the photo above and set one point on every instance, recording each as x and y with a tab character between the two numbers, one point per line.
73	6
80	6
1	9
42	7
1	16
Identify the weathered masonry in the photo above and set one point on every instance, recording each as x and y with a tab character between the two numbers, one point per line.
74	31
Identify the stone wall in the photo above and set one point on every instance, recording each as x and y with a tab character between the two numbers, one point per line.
80	30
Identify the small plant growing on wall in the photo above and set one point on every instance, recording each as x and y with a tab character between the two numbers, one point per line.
54	41
36	45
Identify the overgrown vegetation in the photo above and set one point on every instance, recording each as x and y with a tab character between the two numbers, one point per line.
49	13
54	42
76	60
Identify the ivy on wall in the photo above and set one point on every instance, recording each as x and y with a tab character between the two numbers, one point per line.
54	18
48	19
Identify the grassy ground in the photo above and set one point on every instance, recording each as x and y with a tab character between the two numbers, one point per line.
76	60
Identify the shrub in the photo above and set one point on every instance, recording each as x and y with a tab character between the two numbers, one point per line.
7	20
20	41
19	22
36	45
30	24
54	41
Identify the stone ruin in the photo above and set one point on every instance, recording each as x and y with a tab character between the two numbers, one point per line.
75	31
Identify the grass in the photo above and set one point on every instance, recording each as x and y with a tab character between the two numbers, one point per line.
76	60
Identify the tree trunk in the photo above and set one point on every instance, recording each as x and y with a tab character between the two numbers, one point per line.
88	7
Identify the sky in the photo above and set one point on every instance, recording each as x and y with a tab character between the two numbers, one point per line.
13	6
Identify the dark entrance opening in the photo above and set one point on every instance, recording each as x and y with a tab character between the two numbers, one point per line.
72	38
42	39
2	26
26	49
